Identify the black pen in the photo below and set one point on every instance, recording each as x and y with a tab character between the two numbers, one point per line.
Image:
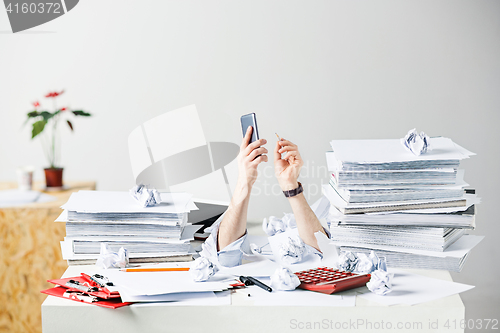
248	281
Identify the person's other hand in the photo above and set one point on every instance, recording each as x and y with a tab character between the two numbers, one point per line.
287	168
249	158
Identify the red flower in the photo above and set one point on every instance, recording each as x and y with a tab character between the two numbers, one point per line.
54	94
36	104
63	109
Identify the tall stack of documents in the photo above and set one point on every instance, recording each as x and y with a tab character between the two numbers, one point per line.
150	234
405	207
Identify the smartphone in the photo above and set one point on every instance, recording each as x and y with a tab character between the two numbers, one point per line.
250	120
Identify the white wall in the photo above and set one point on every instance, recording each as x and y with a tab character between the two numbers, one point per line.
312	71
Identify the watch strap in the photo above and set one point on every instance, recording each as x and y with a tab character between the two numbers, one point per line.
294	192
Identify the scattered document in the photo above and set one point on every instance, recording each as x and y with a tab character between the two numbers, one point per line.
9	198
159	283
411	289
297	297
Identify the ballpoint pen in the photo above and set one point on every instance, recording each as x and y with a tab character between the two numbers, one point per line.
248	281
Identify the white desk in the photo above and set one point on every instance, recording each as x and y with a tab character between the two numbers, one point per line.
60	315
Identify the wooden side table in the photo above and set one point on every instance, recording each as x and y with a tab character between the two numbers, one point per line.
30	254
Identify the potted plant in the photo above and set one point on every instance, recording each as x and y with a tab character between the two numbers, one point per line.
50	143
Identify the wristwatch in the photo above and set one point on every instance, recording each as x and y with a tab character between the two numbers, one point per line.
294	192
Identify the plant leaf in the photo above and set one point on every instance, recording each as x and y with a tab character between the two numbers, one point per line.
33	114
81	113
70	125
38	127
46	115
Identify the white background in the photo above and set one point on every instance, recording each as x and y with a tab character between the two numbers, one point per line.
312	71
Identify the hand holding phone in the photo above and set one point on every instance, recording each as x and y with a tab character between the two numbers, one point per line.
250	120
252	151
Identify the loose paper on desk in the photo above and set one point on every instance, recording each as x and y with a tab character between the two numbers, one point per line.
202	298
297	297
9	198
411	289
157	283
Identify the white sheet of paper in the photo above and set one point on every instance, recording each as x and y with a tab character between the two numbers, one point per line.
411	289
157	283
173	297
329	250
386	151
16	197
297	297
261	268
122	202
220	298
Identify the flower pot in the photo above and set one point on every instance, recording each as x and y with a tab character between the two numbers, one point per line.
53	177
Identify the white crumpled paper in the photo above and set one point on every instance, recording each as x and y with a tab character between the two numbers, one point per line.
203	269
347	261
418	144
364	265
145	196
380	282
284	279
273	226
289	221
108	258
292	251
367	264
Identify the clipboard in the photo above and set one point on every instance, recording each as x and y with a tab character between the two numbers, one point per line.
111	303
101	292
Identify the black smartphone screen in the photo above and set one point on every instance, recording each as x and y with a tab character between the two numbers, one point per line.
250	120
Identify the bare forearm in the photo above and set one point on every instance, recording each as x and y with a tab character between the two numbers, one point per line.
233	225
307	222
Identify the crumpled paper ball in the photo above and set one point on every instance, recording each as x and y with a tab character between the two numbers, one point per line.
108	258
145	196
273	226
418	144
347	261
289	221
382	264
365	265
203	269
292	251
284	279
380	282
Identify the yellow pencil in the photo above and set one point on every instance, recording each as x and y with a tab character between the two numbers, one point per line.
170	269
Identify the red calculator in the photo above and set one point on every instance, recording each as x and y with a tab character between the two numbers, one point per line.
328	280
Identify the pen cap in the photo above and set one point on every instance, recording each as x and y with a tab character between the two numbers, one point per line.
246	281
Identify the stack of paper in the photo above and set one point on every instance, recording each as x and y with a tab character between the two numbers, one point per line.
382	195
381	175
150	234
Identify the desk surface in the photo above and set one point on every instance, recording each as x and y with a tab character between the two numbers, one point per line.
60	315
